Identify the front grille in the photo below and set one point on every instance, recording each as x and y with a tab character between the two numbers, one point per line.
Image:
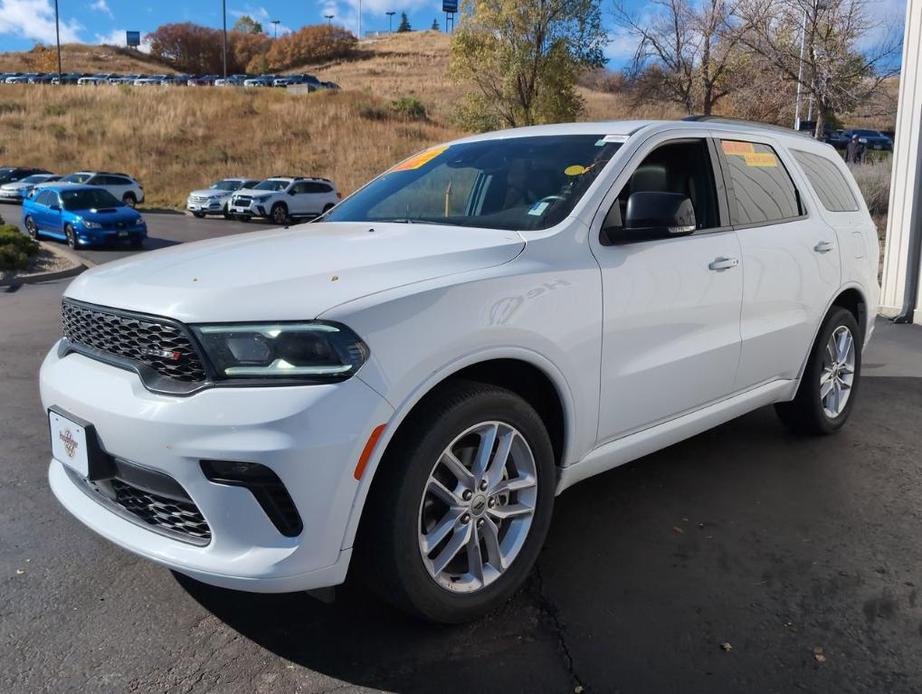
163	346
166	514
243	200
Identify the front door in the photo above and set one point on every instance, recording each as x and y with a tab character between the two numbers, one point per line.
671	340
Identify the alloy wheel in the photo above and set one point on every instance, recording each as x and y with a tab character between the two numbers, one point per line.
838	372
31	228
477	507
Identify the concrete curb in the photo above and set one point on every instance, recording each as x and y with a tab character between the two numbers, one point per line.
79	265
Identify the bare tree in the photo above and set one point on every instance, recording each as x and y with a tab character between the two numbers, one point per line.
686	52
823	45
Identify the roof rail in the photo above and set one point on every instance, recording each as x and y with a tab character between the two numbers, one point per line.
729	120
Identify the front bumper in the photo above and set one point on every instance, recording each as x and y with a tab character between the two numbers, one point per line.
251	209
205	207
310	436
104	237
11	196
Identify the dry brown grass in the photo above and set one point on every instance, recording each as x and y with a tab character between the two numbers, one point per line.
76	57
180	138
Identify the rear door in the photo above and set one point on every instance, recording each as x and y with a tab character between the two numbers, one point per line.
670	334
790	257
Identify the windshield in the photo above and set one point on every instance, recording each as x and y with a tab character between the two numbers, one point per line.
36	178
77	178
272	185
88	199
522	183
226	185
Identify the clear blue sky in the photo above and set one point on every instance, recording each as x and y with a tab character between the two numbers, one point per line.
23	22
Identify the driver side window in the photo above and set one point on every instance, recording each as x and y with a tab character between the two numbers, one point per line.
681	168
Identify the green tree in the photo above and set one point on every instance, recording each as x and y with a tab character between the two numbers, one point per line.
435	25
404	23
523	57
247	25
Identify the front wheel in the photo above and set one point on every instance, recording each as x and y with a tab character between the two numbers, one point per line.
198	215
70	236
279	213
829	385
461	506
31	228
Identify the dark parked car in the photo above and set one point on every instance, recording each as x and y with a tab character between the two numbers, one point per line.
871	139
11	174
836	138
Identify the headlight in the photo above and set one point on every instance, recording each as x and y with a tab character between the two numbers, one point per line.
863	140
307	350
91	225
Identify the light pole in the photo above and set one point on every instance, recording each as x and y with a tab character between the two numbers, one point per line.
360	20
275	28
57	36
817	6
329	18
389	16
224	19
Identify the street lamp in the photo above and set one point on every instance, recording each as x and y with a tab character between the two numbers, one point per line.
57	35
817	6
389	16
329	18
275	28
224	20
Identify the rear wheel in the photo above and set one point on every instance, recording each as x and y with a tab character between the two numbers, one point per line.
829	385
70	236
129	199
461	505
279	213
31	227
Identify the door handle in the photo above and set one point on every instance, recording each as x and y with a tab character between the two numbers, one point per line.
721	263
824	246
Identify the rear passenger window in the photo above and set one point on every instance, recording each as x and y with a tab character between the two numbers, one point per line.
827	180
761	187
312	187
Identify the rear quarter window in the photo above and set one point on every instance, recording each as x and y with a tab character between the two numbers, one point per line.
761	188
827	180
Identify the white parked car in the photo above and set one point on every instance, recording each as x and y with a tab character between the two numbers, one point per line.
16	191
216	198
281	198
124	187
407	384
151	81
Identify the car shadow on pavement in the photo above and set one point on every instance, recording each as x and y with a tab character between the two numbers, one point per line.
744	559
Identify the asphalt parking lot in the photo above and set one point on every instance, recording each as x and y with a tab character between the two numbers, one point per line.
745	559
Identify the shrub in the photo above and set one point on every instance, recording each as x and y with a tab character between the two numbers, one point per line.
409	107
311	44
15	248
873	179
372	111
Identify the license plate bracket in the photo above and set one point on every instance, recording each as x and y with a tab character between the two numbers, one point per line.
75	443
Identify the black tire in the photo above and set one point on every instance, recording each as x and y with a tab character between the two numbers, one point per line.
137	244
130	200
226	213
326	208
388	544
279	213
70	236
31	227
198	215
805	414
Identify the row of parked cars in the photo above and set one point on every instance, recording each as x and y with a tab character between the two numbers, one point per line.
141	80
278	199
871	139
84	208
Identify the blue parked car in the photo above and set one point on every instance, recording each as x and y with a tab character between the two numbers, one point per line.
82	216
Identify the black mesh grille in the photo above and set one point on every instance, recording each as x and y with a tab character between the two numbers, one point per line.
162	346
167	514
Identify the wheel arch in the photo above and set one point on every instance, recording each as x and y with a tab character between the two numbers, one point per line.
525	373
852	298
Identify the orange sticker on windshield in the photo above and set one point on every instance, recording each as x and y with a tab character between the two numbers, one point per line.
418	160
760	159
736	147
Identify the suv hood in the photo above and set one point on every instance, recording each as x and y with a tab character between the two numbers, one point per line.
213	192
108	215
290	274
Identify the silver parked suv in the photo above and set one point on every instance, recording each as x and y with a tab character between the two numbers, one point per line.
215	199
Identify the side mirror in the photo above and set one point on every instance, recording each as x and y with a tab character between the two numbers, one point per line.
292	192
54	206
653	215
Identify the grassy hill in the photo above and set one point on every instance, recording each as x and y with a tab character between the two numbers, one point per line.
180	138
76	57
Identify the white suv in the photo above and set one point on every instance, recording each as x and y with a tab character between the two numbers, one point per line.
120	185
216	198
281	198
407	384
